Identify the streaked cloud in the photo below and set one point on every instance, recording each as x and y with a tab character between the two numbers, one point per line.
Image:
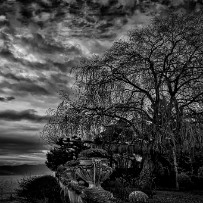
6	99
30	114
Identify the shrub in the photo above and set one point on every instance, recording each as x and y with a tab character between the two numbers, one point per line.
42	188
122	192
138	196
200	171
93	152
197	182
66	150
72	163
96	195
184	181
117	188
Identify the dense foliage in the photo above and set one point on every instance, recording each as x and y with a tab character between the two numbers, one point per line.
184	181
42	188
89	153
66	150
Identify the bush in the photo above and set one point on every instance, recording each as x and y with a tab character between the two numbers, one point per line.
93	152
96	195
200	171
117	188
197	182
122	192
42	188
138	196
66	150
184	181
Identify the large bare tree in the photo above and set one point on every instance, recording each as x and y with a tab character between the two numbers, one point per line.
152	79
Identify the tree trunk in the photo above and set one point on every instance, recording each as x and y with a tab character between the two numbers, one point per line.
175	165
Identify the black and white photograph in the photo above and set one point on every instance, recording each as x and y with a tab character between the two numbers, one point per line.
101	101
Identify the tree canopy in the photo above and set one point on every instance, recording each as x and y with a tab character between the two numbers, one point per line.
152	79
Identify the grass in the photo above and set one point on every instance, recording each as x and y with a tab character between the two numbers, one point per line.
177	197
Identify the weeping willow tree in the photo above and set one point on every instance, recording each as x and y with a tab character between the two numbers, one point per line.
68	121
152	80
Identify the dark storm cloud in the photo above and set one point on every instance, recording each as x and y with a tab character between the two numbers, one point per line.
31	88
39	43
20	145
50	26
5	99
14	77
23	88
100	19
60	78
41	85
95	17
30	114
37	52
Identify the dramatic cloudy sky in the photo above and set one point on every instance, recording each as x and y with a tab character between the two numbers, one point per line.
40	40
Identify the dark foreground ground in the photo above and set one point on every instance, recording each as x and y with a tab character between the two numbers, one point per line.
177	197
162	197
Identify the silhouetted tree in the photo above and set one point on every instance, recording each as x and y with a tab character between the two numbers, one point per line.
152	80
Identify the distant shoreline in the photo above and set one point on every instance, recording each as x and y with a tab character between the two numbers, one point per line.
24	170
